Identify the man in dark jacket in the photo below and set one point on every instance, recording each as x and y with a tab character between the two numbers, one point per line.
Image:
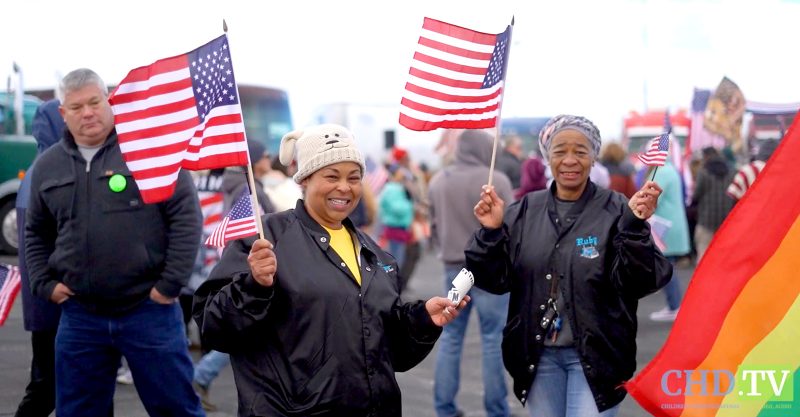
114	264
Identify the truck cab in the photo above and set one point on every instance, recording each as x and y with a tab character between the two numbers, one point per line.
640	128
17	152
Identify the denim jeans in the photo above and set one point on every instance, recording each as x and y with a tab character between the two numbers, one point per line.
492	311
560	388
673	288
398	250
209	367
152	339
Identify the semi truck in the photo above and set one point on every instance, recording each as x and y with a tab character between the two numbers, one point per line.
17	152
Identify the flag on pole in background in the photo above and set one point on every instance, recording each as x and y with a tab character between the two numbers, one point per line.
211	205
733	349
239	223
376	176
657	151
179	112
456	78
699	136
10	284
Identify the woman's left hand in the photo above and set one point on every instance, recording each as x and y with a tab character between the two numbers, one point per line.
443	311
645	201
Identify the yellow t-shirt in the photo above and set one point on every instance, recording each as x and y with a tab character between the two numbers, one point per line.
342	243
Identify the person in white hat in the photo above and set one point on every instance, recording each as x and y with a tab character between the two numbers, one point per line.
311	315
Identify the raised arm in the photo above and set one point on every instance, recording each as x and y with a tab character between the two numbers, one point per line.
487	253
234	302
639	267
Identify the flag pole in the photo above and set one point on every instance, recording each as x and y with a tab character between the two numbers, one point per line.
500	107
250	176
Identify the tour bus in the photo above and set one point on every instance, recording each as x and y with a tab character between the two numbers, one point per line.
266	114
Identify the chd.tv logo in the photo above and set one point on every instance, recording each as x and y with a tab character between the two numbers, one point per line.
765	383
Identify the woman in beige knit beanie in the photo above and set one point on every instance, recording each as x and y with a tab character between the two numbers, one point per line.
312	315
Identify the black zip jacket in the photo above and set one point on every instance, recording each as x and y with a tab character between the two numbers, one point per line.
315	343
108	247
605	260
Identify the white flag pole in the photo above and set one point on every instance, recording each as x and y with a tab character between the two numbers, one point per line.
250	177
500	106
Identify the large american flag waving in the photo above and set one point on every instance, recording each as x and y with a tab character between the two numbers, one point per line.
179	112
456	78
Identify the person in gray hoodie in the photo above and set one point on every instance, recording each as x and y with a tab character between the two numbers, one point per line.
452	194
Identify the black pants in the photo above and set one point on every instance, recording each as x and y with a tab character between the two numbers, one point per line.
412	255
40	394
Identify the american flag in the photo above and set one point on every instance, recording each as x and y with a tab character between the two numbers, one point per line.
456	78
699	136
211	205
179	112
10	285
376	176
659	227
239	223
657	151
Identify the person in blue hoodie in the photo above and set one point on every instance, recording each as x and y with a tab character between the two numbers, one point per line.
39	316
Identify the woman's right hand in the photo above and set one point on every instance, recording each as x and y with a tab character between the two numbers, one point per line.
263	263
489	210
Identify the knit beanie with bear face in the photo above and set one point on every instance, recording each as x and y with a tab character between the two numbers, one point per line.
317	147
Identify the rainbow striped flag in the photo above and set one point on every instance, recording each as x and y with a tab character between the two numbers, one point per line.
734	349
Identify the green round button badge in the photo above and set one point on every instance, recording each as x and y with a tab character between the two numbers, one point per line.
117	183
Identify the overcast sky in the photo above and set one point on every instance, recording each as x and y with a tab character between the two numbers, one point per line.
594	58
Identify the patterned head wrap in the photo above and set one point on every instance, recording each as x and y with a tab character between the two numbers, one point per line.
566	121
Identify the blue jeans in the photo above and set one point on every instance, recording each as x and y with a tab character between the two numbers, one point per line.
673	288
560	388
209	367
492	311
152	339
398	250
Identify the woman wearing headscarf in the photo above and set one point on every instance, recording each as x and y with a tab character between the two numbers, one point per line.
576	259
311	315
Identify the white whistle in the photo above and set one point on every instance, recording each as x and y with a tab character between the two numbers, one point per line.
462	283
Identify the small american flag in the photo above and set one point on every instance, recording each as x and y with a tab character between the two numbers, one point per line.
179	112
657	151
239	223
10	285
456	78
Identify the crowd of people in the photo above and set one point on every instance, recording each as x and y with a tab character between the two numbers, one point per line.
562	244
